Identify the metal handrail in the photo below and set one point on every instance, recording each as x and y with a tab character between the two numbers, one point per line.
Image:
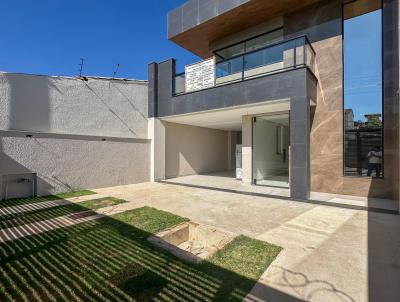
304	39
307	41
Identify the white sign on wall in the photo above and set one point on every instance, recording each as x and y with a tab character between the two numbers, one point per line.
200	75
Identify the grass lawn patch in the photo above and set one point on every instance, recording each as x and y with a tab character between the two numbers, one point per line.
111	260
150	220
20	201
18	219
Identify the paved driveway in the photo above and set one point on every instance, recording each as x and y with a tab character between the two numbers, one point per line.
330	253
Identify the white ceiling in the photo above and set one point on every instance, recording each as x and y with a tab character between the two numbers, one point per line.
229	119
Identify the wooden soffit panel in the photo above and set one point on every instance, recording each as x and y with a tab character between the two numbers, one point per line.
198	38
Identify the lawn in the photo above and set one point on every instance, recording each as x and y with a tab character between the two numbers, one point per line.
20	201
111	260
18	219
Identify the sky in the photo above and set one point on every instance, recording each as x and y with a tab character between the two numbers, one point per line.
363	64
49	37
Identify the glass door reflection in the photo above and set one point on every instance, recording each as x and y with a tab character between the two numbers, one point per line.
271	141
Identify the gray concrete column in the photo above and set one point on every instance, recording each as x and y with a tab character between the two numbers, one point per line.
166	73
152	89
300	148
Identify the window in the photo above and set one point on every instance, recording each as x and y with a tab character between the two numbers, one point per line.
250	44
363	114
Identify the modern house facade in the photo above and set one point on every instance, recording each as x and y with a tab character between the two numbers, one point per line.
299	96
304	92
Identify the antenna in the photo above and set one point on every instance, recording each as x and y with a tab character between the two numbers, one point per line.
115	72
81	67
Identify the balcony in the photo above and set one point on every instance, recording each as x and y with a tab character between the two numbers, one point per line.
282	56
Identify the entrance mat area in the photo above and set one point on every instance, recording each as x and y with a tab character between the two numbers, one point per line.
19	219
110	259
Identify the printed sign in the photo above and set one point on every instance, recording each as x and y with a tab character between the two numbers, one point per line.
200	75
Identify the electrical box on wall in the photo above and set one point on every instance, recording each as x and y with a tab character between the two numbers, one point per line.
19	185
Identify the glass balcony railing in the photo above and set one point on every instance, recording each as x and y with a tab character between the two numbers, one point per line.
285	55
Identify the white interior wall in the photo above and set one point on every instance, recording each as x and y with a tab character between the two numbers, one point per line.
266	161
194	150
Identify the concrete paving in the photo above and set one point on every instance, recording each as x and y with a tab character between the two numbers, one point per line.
226	181
330	253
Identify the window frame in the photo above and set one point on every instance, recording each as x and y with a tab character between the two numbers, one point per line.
215	52
382	92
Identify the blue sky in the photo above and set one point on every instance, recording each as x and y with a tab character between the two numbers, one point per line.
49	37
363	68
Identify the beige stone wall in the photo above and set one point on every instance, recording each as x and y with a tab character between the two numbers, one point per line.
193	150
322	24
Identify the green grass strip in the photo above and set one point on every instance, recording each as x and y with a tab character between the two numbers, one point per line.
58	211
21	201
149	220
111	260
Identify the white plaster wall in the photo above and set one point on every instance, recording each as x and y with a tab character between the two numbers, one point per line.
193	150
247	153
64	164
68	119
71	106
157	149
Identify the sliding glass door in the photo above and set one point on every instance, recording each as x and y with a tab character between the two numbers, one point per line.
271	140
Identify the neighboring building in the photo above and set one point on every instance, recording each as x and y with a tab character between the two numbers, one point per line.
292	82
61	133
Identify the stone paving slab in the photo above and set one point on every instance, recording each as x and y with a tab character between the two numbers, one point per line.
47	204
330	253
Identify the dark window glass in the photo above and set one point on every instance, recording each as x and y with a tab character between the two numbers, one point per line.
363	116
264	57
251	44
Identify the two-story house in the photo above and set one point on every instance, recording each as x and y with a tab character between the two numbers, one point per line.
307	89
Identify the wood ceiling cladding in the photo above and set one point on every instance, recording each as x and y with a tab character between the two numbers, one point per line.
198	38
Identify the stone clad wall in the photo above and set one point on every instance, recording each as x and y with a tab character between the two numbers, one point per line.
322	23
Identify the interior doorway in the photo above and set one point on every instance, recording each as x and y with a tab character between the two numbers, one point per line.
270	145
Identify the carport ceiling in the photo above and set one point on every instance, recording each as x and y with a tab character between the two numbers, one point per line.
229	119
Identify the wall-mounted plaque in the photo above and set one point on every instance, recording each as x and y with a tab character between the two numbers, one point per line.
200	75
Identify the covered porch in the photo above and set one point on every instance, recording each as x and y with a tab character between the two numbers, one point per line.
226	182
246	145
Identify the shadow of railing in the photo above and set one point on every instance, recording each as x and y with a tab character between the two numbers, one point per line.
110	260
